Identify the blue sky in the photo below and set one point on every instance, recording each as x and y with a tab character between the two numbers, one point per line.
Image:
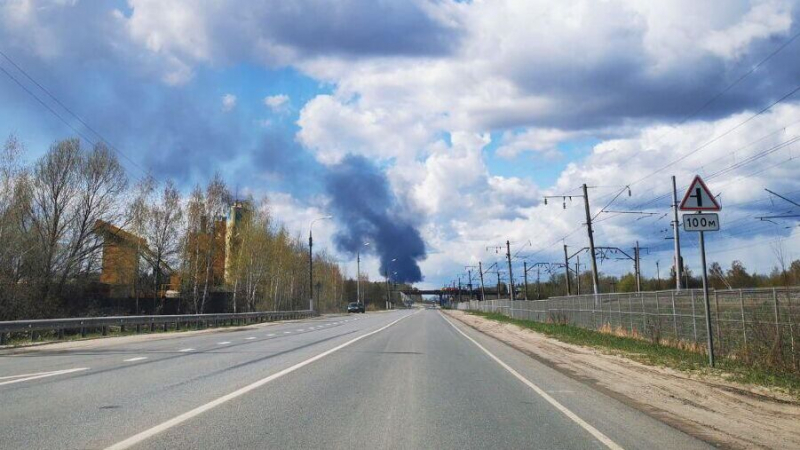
468	112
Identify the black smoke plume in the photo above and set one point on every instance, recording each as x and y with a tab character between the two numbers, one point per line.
363	203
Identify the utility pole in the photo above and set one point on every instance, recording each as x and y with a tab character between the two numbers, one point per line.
310	271
658	274
566	269
578	273
498	284
678	260
483	290
469	283
358	276
510	273
637	267
538	290
525	270
591	240
459	289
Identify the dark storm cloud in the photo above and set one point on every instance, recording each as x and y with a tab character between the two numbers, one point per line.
358	28
367	210
624	85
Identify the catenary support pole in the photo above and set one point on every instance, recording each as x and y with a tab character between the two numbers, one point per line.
677	236
595	279
510	273
566	269
483	289
525	270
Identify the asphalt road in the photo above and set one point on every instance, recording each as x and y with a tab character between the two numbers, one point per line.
401	379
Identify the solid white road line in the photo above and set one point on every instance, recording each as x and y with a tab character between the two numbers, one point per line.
184	350
138	358
223	343
36	376
592	430
137	438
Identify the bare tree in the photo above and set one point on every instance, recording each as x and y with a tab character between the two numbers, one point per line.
163	232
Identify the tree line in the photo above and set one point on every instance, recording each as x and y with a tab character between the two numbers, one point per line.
57	211
735	277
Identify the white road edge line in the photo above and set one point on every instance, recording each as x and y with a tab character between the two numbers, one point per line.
138	358
585	425
175	421
36	376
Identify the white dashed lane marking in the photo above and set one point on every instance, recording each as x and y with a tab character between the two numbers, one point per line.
138	358
271	334
184	350
249	338
223	343
11	379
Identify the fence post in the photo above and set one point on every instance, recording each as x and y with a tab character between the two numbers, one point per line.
630	312
719	330
674	317
777	316
3	338
694	316
744	327
644	313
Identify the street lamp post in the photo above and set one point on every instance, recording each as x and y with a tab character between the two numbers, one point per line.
358	276
311	261
386	273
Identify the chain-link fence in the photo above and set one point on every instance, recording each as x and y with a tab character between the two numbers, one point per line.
753	324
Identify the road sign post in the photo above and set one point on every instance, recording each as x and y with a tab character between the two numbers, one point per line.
698	198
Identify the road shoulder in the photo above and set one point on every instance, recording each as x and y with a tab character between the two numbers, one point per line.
718	412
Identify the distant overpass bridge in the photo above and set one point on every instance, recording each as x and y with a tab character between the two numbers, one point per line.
451	292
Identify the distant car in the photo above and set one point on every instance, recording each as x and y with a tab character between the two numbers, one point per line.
355	307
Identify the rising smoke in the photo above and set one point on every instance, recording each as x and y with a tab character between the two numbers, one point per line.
366	208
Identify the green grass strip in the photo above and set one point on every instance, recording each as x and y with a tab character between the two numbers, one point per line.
651	353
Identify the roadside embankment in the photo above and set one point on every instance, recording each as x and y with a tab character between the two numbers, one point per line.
701	403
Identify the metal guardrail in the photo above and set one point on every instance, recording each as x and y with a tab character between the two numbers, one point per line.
84	324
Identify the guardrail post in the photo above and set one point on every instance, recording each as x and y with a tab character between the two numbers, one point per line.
3	338
60	334
152	326
122	328
104	330
83	330
166	325
177	324
138	328
34	336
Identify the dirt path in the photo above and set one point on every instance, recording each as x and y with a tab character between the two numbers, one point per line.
733	415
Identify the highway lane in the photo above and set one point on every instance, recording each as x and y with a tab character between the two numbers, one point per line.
387	380
119	394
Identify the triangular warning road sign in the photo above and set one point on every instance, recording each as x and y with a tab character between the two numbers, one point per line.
699	198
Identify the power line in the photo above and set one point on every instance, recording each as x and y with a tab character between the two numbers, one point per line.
68	110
